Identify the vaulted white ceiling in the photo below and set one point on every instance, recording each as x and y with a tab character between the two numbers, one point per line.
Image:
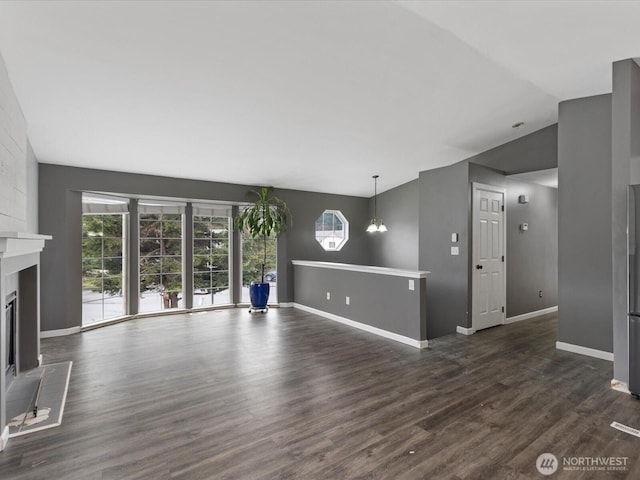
310	95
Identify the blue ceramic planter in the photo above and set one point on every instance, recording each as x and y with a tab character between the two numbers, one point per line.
259	295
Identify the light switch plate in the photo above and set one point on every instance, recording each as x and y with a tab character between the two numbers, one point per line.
412	284
454	237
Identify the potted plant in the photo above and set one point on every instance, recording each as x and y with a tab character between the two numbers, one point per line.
265	217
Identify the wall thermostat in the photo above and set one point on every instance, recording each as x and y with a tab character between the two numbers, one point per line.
524	227
523	199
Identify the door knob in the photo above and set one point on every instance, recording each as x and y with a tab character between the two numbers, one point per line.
479	267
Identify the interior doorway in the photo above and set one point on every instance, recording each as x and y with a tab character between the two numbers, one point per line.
488	256
532	244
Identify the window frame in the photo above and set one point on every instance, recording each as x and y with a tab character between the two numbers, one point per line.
164	238
210	216
345	229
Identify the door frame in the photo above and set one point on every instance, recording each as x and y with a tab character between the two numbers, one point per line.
475	186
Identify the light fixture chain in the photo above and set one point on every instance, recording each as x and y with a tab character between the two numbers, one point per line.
376	225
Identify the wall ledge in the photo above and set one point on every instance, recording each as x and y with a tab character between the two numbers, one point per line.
367	328
397	272
590	352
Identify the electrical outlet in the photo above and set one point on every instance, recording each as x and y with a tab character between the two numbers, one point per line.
347	300
540	293
328	295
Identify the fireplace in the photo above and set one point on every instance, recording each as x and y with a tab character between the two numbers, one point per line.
20	325
10	337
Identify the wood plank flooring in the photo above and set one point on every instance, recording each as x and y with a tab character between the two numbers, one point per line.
289	395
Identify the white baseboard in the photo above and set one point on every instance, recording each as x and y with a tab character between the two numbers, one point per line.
4	438
287	305
620	386
363	326
590	352
528	315
59	333
465	331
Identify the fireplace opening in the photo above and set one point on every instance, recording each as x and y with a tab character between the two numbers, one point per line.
10	337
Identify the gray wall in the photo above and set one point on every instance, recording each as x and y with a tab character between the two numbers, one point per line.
60	209
532	255
584	223
443	210
625	114
381	301
486	175
299	242
536	151
398	247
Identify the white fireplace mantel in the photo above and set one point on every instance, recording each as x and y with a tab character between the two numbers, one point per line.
19	254
13	244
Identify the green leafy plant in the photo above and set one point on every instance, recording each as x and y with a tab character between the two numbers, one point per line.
267	216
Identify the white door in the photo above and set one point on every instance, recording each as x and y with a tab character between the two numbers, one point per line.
488	277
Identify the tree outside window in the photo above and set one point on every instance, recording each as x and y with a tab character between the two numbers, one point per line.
102	267
160	261
210	260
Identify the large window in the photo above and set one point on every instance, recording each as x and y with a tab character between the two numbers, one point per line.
160	259
252	260
158	238
210	258
103	258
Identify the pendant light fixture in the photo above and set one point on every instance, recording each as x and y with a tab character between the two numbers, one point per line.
376	225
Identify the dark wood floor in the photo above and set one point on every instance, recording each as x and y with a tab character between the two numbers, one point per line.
290	395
